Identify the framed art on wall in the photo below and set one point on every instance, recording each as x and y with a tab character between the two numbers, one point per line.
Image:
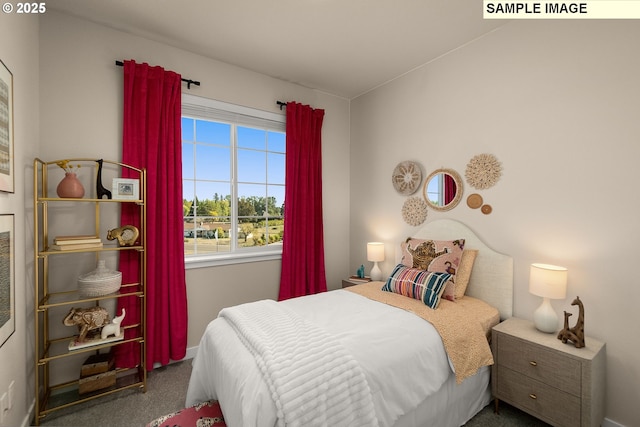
7	281
6	129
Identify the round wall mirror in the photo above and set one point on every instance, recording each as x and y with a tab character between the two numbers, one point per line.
442	189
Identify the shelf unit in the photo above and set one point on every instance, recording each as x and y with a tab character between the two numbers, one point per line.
51	345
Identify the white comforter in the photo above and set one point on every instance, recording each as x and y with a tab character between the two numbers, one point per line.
313	380
402	356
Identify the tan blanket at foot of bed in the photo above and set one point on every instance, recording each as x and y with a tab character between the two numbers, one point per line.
464	325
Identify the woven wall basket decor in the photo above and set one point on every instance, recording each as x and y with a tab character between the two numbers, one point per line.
406	177
483	171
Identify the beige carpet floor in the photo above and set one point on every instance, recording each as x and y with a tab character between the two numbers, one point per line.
167	387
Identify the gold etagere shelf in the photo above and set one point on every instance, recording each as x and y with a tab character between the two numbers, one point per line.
52	346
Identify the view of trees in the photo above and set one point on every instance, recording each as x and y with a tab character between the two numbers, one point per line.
221	207
259	222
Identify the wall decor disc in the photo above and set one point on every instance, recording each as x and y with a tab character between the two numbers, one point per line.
474	201
414	211
483	171
486	209
406	177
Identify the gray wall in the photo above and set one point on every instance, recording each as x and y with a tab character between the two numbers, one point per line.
557	104
19	52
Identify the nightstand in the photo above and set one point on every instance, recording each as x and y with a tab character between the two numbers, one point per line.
349	282
346	283
555	382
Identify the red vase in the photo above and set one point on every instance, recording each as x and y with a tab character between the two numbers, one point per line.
70	187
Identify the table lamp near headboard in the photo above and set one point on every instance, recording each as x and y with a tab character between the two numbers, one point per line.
549	282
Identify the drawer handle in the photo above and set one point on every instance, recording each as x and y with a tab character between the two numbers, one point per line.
533	363
533	396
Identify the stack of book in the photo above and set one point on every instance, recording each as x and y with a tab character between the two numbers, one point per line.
74	243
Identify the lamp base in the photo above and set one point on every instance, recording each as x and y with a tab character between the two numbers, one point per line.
376	273
545	318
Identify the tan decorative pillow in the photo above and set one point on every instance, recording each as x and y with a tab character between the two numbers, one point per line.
436	256
464	271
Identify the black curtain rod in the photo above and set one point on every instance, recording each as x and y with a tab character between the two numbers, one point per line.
189	82
281	104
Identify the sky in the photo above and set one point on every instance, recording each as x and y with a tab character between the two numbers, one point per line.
206	149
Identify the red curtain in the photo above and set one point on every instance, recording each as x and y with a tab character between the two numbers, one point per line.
152	139
303	270
450	189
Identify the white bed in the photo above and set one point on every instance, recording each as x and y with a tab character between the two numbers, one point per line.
411	381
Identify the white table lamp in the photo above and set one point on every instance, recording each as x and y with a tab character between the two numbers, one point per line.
375	253
549	282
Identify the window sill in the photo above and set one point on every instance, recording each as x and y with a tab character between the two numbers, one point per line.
204	261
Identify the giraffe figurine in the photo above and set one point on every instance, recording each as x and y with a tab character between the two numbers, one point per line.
100	190
566	321
575	334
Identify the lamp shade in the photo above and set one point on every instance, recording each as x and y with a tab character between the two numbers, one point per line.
548	281
375	251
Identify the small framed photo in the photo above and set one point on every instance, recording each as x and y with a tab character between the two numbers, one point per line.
125	189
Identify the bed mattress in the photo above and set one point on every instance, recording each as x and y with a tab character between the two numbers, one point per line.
402	355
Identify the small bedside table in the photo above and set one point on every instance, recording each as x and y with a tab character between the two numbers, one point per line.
348	282
555	382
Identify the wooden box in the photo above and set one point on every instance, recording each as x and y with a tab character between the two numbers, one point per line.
97	364
97	382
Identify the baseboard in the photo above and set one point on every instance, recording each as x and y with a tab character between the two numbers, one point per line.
190	354
31	413
609	423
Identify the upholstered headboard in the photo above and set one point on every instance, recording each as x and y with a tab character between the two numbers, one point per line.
492	275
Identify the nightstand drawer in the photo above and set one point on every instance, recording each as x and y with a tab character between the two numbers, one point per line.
539	363
537	398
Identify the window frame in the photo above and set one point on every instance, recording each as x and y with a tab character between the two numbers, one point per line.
196	107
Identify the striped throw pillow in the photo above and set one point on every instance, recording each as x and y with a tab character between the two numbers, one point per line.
422	285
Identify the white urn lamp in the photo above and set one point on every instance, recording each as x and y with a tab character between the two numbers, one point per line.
375	253
549	282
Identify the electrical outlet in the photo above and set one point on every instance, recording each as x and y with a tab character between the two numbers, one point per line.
12	394
3	407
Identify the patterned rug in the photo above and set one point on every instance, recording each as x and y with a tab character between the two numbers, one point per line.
207	414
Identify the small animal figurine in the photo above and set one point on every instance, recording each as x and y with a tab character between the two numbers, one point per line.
100	190
575	334
87	319
126	235
113	328
566	321
360	272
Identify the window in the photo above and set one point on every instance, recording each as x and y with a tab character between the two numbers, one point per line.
233	167
435	190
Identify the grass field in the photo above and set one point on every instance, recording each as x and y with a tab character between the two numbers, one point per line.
205	245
